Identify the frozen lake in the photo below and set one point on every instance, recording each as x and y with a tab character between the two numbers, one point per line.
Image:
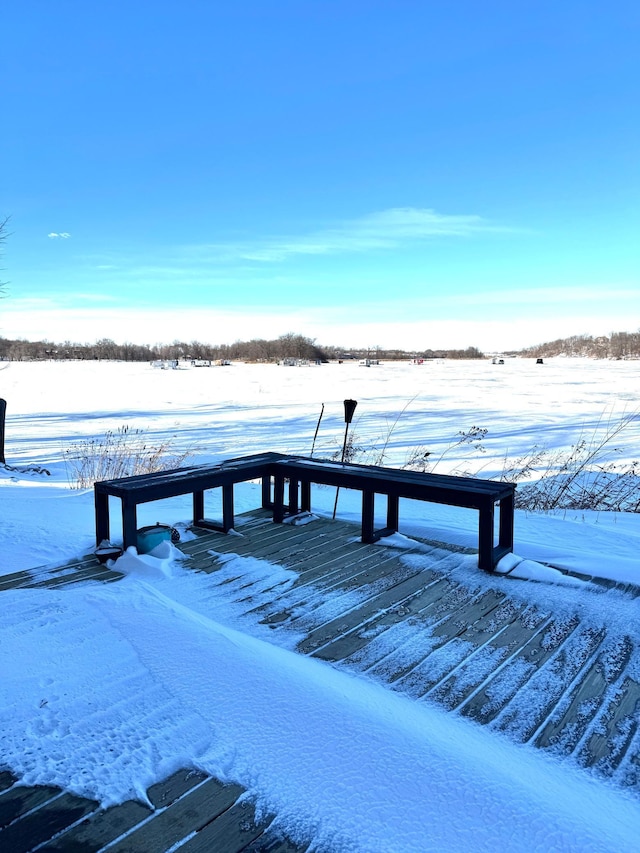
229	411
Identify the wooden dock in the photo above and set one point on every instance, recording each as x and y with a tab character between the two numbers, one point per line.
406	618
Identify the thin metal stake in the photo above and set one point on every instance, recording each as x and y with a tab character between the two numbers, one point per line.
349	409
317	428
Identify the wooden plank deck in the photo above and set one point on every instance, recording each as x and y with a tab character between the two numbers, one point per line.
410	622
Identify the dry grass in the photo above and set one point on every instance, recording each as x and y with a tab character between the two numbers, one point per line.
587	475
123	452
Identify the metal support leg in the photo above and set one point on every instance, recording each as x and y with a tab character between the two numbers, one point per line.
267	503
305	496
102	516
393	503
368	504
129	524
506	524
485	537
278	499
227	507
198	507
293	497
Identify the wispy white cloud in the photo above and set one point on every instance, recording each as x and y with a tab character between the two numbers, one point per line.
387	229
396	228
64	235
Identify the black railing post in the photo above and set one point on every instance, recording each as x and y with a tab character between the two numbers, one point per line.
3	409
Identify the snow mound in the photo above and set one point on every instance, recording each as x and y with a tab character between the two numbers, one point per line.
162	561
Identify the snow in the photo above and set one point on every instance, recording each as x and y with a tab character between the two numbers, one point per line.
187	680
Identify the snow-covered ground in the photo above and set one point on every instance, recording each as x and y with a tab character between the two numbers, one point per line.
350	763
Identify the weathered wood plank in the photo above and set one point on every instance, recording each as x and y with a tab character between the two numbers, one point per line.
617	724
566	656
106	825
262	529
15	579
570	724
44	822
169	790
374	597
231	831
98	829
420	593
301	559
7	779
496	637
447	647
275	603
297	555
269	843
422	609
19	800
295	547
180	819
44	578
96	573
537	644
339	576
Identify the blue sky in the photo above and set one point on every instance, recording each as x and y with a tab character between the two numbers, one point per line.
412	174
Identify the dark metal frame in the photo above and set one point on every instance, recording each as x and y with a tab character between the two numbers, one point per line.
276	470
3	411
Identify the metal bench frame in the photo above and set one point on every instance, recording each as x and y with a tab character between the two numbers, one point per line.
277	470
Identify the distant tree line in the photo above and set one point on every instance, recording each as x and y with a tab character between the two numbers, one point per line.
617	345
287	346
256	350
400	354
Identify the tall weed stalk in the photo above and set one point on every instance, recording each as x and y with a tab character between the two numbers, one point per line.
587	475
123	452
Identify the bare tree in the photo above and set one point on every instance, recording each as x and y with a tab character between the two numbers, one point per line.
3	236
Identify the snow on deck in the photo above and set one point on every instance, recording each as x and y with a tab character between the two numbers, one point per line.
350	749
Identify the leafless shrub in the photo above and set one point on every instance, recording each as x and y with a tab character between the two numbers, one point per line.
588	475
123	452
420	458
355	450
